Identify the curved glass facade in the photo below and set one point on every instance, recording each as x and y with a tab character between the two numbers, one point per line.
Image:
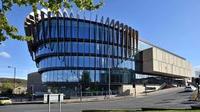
74	54
67	49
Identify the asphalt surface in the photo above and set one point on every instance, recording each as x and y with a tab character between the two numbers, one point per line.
169	98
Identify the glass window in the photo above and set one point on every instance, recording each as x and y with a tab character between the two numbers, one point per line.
74	29
75	61
101	33
103	62
98	48
53	28
87	46
74	47
92	62
72	76
61	24
81	61
87	61
84	30
92	47
96	31
69	47
97	62
92	75
68	28
81	29
81	47
92	29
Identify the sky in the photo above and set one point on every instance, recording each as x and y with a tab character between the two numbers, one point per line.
170	24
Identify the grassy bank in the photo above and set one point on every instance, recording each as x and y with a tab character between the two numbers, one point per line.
176	110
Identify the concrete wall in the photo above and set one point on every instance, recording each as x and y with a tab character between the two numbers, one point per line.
138	90
127	90
161	62
34	83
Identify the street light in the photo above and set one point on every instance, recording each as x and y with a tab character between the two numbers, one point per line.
14	68
80	85
109	71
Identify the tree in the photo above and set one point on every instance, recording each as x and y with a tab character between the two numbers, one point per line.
9	31
6	88
85	79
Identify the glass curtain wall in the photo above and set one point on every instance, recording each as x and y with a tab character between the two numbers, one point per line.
72	51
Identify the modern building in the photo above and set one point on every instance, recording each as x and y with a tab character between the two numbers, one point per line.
197	72
74	54
34	83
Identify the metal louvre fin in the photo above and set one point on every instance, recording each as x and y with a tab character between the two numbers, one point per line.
57	36
65	14
77	16
113	39
96	18
107	21
107	38
95	37
137	36
65	36
121	38
112	23
133	34
102	19
43	28
117	24
77	33
36	18
31	18
117	37
129	41
101	33
125	40
49	28
71	15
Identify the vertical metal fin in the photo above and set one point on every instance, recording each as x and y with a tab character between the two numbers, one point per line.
122	38
137	38
43	27
134	43
102	20
96	18
129	42
71	15
113	38
117	36
57	36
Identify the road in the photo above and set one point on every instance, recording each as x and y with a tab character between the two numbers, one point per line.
169	98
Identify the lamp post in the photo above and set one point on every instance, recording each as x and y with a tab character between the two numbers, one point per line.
109	72
14	80
80	87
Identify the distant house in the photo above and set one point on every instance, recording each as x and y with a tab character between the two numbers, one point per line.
20	90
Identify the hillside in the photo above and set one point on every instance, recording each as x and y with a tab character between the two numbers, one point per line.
21	82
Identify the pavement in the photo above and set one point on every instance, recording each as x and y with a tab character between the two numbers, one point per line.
168	98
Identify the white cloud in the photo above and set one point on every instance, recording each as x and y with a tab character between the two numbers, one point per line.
4	54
